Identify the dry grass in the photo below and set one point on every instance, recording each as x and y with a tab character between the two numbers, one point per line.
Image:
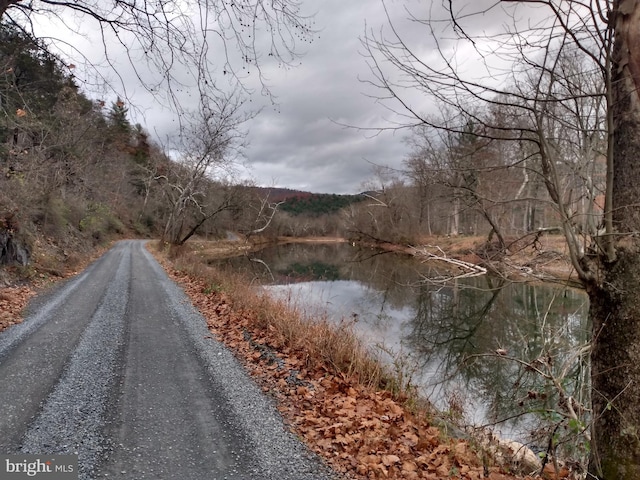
333	346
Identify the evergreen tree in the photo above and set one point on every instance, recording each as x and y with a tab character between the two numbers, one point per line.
117	118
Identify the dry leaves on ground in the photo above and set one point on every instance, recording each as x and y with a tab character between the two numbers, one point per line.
12	302
360	432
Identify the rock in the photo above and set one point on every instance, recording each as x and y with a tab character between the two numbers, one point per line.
12	250
520	455
505	452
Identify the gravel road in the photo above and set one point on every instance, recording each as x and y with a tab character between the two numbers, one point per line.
116	366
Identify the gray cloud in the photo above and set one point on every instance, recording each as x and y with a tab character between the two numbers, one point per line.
301	143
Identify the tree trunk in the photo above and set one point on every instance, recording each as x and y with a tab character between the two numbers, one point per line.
455	220
615	298
615	371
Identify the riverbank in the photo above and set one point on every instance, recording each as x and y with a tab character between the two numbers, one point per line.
534	258
347	408
543	257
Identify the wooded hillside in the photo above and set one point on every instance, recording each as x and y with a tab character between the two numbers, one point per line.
75	172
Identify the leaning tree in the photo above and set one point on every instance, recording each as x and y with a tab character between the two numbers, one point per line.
511	57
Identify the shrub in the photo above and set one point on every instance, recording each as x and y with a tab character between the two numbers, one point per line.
99	222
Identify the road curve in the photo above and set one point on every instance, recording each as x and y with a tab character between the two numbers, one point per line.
116	366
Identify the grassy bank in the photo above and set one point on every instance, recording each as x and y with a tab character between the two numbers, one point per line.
349	408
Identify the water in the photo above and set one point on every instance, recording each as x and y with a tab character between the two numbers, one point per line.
472	346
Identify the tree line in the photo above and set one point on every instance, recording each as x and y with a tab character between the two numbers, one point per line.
318	204
74	169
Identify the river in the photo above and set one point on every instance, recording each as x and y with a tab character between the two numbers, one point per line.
476	347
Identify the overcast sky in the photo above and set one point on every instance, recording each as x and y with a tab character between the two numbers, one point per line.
301	143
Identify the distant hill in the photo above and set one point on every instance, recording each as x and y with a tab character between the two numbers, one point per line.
279	194
298	202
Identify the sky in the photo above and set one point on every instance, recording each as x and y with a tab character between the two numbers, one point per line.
303	143
320	135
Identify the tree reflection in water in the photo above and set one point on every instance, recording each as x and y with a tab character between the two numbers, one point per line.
471	331
451	332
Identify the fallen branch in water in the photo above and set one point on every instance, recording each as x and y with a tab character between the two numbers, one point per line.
468	269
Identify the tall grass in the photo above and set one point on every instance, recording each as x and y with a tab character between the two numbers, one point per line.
321	343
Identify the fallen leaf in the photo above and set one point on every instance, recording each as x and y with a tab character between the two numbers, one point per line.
389	460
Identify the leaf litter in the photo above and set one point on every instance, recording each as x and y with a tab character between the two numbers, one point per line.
362	433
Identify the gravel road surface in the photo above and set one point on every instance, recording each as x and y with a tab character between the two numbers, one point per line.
116	366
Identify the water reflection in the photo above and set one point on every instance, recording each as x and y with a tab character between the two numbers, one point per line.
448	333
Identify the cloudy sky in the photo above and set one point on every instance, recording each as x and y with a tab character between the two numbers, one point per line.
302	142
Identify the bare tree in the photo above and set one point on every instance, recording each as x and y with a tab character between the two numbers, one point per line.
475	179
523	70
210	146
385	214
174	40
265	212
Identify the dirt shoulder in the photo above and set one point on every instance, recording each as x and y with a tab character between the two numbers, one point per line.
49	266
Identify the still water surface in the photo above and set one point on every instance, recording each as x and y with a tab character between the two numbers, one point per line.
444	334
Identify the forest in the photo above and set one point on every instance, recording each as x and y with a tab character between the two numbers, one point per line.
75	172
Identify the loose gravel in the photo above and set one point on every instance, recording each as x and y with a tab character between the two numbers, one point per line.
74	417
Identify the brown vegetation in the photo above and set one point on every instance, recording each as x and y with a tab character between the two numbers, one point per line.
331	391
12	301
